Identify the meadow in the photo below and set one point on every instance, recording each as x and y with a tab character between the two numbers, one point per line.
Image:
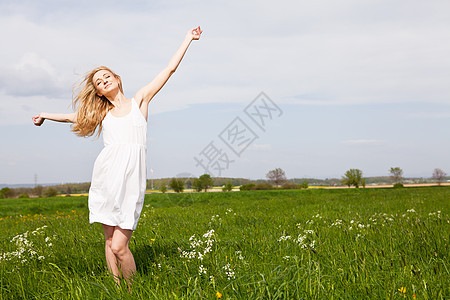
281	244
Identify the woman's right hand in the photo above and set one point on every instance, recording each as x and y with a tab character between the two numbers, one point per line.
38	120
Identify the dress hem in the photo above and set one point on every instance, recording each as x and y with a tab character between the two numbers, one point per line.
112	224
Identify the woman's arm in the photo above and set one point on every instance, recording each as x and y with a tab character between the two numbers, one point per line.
144	95
65	118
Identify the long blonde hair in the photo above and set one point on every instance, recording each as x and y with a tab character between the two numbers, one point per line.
91	108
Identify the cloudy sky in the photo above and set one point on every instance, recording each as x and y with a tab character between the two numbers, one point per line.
312	87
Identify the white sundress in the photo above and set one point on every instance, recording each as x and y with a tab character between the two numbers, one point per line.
117	191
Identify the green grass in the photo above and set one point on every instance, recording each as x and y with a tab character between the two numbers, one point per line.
293	244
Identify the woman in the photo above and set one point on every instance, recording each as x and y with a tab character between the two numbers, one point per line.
118	182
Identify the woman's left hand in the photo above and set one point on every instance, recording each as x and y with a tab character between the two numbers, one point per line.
195	33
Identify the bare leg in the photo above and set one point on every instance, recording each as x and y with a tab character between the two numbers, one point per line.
111	260
119	258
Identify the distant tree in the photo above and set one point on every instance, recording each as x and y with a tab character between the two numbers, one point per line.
206	181
50	192
197	185
177	185
228	187
277	176
353	177
304	184
247	187
163	187
396	174
38	190
6	192
188	183
438	175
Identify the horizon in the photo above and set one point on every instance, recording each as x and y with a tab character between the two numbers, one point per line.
27	185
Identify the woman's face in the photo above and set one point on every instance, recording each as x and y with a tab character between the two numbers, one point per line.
104	81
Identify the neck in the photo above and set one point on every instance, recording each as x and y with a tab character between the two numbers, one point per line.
117	99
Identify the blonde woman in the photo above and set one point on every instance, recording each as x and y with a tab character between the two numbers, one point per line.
117	191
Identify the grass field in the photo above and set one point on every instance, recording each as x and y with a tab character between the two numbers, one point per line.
293	244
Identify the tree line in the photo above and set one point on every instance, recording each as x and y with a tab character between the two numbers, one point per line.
275	179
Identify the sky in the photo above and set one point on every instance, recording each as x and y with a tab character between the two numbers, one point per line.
312	87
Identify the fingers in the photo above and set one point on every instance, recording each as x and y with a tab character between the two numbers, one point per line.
197	31
36	120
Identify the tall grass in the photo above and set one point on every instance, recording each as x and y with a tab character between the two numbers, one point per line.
307	244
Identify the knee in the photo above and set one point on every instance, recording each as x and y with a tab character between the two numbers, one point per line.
118	249
108	243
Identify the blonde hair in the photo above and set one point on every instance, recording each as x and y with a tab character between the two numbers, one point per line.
91	108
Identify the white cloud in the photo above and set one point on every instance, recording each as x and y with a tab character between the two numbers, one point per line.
32	76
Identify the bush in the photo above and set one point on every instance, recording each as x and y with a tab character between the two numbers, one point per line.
197	185
248	187
263	186
24	195
290	186
398	185
177	185
50	192
227	187
163	188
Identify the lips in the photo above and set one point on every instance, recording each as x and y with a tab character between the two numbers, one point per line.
107	86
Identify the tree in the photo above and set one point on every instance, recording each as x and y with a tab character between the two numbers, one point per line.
205	181
247	187
438	175
163	187
353	177
177	185
304	184
227	187
50	192
277	176
197	185
396	174
6	192
38	190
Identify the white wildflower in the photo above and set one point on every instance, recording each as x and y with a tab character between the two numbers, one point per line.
229	271
202	270
284	238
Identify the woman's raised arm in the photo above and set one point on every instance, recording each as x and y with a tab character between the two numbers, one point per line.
65	118
144	95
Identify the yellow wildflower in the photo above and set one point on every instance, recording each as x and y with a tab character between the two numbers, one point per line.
402	290
219	295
